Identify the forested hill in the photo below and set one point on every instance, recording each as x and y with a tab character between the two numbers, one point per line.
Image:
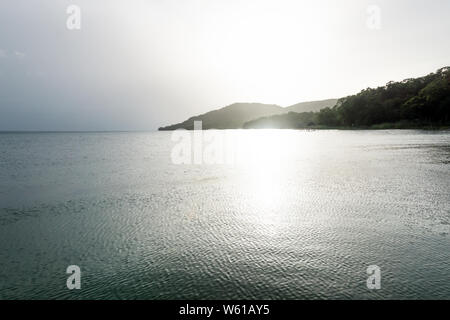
311	106
234	116
230	117
419	102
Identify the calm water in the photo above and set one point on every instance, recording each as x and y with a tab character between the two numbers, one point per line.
302	220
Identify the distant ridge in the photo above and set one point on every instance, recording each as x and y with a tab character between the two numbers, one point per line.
422	102
312	106
230	117
236	115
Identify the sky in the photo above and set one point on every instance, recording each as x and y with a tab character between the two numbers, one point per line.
138	65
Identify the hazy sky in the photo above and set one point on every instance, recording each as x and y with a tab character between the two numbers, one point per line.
137	65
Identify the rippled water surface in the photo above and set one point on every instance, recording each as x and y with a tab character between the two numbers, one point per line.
303	219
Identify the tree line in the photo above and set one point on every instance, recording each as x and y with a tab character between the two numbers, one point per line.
418	102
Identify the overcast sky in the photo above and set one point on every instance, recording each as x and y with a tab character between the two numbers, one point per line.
137	65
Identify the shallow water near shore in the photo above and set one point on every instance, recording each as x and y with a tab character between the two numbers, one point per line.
302	220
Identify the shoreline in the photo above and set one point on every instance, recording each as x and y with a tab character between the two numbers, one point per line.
443	128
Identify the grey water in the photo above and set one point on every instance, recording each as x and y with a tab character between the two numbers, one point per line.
303	220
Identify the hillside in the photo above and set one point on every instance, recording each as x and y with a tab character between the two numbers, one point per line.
235	115
312	106
411	103
230	117
291	120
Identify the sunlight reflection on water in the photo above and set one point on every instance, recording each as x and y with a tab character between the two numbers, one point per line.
301	216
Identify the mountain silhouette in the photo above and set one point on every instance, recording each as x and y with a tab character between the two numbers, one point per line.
236	115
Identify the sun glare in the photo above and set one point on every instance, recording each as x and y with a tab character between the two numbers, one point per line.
264	169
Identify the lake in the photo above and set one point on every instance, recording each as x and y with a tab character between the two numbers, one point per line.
302	219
